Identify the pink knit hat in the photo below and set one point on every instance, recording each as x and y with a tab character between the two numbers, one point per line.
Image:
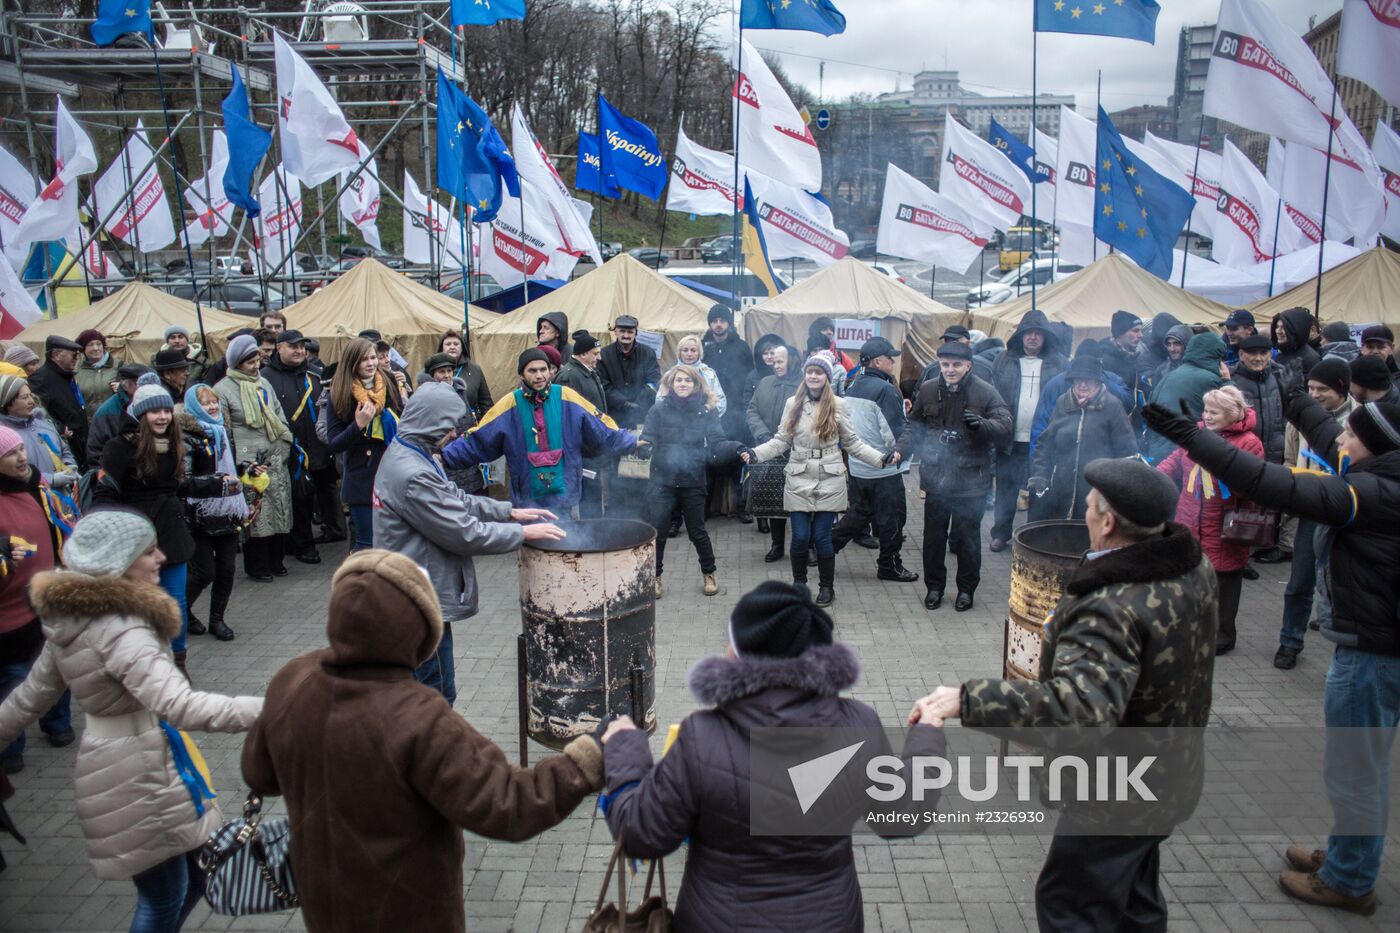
9	440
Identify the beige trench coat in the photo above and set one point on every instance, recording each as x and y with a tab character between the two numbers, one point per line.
816	474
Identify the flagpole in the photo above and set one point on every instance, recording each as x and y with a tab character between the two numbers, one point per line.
1195	169
180	198
464	236
1326	185
524	251
204	161
932	278
737	263
434	247
1035	218
1098	105
1278	219
602	203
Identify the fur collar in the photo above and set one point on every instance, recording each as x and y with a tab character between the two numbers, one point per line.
824	670
78	596
1173	553
189	424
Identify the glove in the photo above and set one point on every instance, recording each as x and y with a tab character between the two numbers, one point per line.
972	420
1295	388
63	480
1179	429
1038	485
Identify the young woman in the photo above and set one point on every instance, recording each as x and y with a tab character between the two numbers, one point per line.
145	809
45	446
361	422
475	390
815	430
215	523
258	430
1204	503
691	352
685	436
144	468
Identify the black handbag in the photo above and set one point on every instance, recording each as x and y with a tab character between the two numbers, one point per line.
763	488
1256	527
247	865
652	915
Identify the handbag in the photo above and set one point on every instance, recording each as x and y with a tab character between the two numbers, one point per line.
652	914
763	485
1257	528
246	864
630	466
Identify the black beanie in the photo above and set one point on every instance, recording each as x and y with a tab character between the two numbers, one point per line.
721	310
1124	321
1336	332
1333	372
1377	425
529	356
1370	372
583	342
778	620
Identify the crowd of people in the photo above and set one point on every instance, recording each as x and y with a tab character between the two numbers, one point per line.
1187	454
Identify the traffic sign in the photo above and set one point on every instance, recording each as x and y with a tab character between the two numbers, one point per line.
823	118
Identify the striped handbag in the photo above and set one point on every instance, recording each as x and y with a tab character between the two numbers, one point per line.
246	863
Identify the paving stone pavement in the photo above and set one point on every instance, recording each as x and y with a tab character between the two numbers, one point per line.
958	882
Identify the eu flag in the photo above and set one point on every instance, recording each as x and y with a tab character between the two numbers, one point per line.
589	174
819	16
485	12
116	18
472	158
247	144
1135	209
1124	19
1015	150
631	156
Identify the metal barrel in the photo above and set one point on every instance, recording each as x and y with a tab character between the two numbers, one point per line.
588	608
1043	555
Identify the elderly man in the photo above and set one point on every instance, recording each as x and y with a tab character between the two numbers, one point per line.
55	383
1131	643
178	338
630	374
442	367
173	368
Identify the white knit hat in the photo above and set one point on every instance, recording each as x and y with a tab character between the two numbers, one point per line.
107	542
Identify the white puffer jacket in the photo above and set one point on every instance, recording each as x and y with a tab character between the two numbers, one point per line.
108	639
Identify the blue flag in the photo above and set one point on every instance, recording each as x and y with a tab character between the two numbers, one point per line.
247	144
631	156
485	12
116	18
1018	152
473	160
589	174
1123	19
1135	209
819	16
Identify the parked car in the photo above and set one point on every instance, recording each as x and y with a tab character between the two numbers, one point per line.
720	249
235	297
1018	282
862	249
609	250
482	285
649	256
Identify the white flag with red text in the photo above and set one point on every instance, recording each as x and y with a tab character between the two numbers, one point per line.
131	197
1047	150
702	180
1201	171
981	178
796	224
1386	147
533	164
317	141
918	223
17	194
1355	201
774	140
278	227
509	255
1308	222
54	212
1369	46
17	307
425	221
205	200
1075	180
359	202
1250	228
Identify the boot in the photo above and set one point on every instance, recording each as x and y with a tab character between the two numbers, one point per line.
218	629
826	580
180	663
1311	889
1307	861
799	567
711	584
775	554
196	626
763	526
276	554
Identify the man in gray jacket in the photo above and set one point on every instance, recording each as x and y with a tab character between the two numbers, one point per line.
423	515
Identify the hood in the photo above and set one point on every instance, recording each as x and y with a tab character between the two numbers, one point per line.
1204	351
819	325
1181	332
431	412
1033	319
383	611
1297	323
990	347
1345	349
1162	325
759	345
760	691
560	320
68	602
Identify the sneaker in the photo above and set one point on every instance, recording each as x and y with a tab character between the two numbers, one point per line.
1286	658
658	587
61	739
1309	888
1308	861
899	574
711	585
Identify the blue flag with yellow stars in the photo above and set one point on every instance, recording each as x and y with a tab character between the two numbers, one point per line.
1015	150
820	16
1135	209
472	159
631	155
116	18
485	12
1123	19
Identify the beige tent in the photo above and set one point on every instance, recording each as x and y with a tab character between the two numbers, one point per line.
852	290
371	296
1365	289
1087	299
592	302
134	320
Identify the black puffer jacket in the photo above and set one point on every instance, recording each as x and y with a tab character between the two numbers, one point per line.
954	460
1264	393
58	391
1296	353
765	411
1361	509
297	388
732	361
1074	437
684	439
159	497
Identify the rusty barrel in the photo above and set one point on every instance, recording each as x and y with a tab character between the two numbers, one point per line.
588	607
1043	555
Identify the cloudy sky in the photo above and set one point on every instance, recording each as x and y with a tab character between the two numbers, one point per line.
989	42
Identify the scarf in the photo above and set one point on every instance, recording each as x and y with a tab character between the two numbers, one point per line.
258	412
384	425
213	427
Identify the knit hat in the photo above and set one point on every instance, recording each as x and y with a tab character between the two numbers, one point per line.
1370	372
439	361
1124	321
1086	367
91	334
1135	490
107	542
148	378
720	311
149	398
1332	372
239	349
20	355
9	388
528	357
1377	425
1336	332
583	342
778	620
824	361
177	329
955	350
9	440
552	354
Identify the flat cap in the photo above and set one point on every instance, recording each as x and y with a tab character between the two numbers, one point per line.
439	361
1136	491
955	350
1256	342
626	320
55	342
291	336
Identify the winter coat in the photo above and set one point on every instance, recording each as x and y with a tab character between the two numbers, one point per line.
736	881
711	379
1131	643
159	497
297	390
1343	349
876	412
276	515
1361	547
683	441
1181	333
62	400
1264	393
1006	371
732	361
43	445
1075	437
1202	505
211	516
562	343
1052	391
816	473
108	640
629	381
474	389
954	460
381	775
360	453
1297	354
25	512
469	479
1132	368
587	383
1198	373
421	513
95	380
109	421
769	399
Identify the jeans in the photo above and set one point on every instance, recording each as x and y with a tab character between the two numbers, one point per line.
810	528
881	503
956	522
1361	707
56	720
362	517
172	580
439	671
167	893
215	560
1302	581
1107	883
691	500
1012	469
